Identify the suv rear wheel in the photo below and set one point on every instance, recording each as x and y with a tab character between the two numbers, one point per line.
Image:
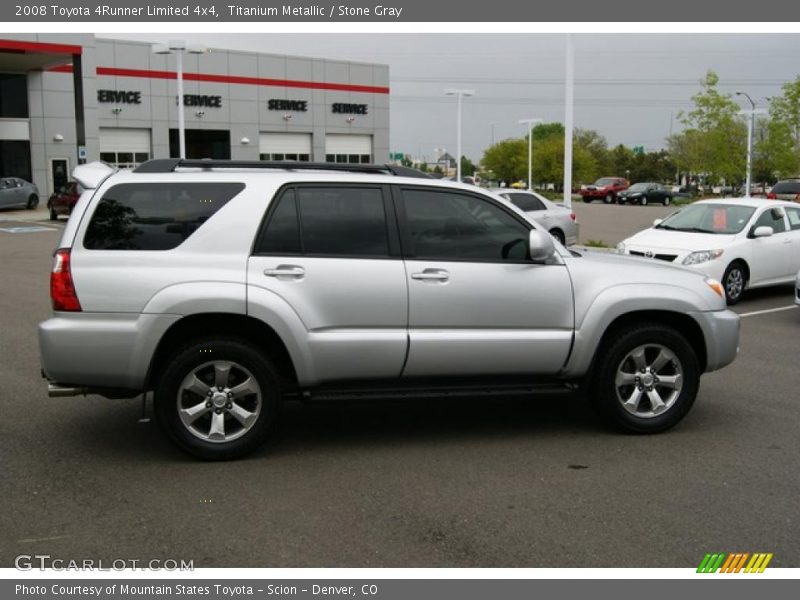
646	379
609	199
218	399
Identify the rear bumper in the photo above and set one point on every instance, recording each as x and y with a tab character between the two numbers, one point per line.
100	350
721	333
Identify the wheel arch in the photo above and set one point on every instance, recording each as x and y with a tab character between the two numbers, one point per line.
203	325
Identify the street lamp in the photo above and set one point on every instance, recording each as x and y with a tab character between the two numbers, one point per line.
531	123
459	93
179	48
752	114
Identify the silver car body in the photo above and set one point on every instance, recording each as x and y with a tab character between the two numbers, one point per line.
551	216
345	318
16	192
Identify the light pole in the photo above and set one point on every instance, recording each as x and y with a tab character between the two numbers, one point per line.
531	123
459	93
752	113
179	48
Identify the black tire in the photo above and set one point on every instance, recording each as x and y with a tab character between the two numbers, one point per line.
609	199
614	353
53	213
33	201
559	235
734	282
643	201
193	356
667	200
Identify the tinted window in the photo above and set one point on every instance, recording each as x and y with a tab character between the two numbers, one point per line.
451	226
786	187
154	216
343	221
282	234
772	217
526	202
794	217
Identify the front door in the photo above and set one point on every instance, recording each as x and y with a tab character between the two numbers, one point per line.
771	256
477	304
59	173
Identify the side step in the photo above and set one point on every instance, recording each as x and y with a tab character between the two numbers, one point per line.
433	392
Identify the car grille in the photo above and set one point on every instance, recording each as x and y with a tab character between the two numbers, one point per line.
666	257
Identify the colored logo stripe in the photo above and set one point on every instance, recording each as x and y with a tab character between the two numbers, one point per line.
734	562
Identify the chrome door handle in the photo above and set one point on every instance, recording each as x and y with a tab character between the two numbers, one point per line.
285	271
431	275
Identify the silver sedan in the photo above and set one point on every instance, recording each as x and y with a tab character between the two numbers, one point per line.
18	193
559	220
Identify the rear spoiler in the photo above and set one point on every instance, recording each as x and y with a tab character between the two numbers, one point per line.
93	174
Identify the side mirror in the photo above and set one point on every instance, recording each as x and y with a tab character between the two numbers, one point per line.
763	231
540	245
657	222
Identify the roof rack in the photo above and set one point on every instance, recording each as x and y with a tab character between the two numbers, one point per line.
168	165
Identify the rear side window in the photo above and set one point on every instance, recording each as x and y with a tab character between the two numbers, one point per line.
526	202
794	218
327	221
154	216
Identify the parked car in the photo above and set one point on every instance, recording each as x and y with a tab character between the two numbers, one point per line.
645	193
797	289
560	221
227	288
605	189
63	200
788	189
743	242
18	193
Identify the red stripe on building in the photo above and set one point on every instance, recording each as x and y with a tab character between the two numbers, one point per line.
235	79
60	69
40	47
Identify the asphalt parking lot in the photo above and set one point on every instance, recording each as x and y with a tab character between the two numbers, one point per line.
506	483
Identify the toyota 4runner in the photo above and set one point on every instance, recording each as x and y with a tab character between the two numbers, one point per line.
226	287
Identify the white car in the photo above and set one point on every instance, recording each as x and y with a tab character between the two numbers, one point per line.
797	289
742	242
558	219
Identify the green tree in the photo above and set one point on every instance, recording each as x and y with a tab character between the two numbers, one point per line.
778	154
406	161
714	142
467	167
508	159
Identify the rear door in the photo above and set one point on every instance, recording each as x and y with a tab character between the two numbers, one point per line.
332	252
477	304
793	216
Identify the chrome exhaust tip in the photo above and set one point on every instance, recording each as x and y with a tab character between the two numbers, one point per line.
58	391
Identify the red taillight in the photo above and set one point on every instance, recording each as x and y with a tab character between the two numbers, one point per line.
771	196
62	291
572	216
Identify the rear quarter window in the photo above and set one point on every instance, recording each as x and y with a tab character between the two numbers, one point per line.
786	187
154	216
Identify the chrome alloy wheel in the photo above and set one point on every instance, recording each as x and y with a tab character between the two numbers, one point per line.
649	380
219	401
734	283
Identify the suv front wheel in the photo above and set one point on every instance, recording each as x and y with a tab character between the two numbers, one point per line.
646	379
218	399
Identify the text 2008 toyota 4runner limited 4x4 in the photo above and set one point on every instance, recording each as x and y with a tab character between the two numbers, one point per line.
226	287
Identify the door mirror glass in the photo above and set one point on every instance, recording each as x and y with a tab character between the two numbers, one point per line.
763	231
540	245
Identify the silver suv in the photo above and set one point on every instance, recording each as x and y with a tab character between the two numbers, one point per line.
225	288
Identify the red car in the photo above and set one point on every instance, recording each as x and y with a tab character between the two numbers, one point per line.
63	200
605	189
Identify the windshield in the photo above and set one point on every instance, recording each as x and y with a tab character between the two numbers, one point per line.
639	187
605	181
709	218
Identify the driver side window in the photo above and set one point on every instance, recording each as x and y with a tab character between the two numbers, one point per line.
772	217
455	226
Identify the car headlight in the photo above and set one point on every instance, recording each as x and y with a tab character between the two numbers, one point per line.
702	256
621	248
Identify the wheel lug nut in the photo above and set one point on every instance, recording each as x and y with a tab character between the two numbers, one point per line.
230	394
210	393
208	404
228	405
219	388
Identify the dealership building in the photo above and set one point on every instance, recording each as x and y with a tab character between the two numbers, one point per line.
73	98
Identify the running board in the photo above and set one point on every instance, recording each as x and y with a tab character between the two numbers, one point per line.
433	392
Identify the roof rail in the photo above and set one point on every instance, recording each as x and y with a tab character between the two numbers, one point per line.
168	165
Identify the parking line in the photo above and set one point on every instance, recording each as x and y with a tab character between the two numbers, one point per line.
769	310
